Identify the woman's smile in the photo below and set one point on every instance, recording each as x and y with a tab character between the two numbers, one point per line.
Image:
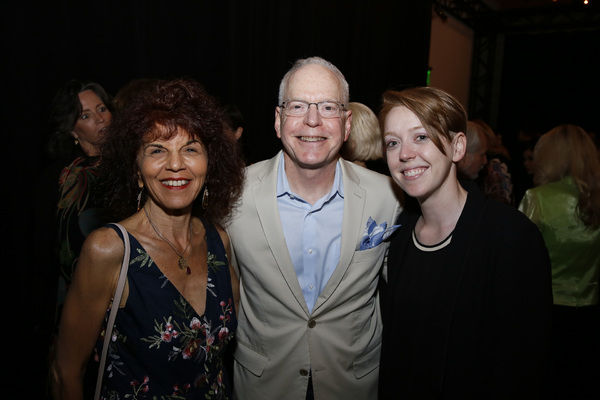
176	183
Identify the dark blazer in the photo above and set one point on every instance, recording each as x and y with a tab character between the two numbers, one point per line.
488	330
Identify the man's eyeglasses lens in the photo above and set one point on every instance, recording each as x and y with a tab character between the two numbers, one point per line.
299	108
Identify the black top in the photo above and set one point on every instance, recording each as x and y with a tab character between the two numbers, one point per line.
471	320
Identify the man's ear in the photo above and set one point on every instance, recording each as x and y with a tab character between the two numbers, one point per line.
278	121
348	125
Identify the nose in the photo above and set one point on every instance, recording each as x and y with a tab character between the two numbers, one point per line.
175	162
99	118
406	152
312	118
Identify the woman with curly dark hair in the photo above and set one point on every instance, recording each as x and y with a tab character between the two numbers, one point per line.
172	177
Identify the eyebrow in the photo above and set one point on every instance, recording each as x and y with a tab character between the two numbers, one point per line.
410	130
97	105
161	146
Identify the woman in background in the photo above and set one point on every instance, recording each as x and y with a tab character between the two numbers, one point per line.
364	146
496	176
81	115
566	208
67	206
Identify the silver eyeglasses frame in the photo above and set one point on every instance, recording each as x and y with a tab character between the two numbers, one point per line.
286	110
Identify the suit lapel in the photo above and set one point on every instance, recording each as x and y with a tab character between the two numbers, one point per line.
265	195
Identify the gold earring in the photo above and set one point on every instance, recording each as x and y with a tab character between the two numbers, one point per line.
139	198
76	142
205	198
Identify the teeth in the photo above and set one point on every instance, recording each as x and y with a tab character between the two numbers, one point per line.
413	172
175	183
311	139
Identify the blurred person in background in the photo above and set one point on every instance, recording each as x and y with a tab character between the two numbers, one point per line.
566	207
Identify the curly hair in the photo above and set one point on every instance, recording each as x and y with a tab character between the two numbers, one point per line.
569	150
441	114
171	105
65	110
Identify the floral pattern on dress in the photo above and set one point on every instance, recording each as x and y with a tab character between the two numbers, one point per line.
179	345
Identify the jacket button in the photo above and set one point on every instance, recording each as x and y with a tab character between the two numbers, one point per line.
303	372
312	323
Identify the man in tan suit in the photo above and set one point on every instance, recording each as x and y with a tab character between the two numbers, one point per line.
308	240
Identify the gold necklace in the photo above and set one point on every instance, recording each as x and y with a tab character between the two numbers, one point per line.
182	263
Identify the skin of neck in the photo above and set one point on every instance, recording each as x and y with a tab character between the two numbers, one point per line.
441	213
89	149
173	227
310	184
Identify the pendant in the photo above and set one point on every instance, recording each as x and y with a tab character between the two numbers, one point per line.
183	265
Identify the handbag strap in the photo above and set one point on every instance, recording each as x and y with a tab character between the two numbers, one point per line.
113	310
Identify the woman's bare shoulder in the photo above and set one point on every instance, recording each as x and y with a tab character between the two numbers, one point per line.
103	245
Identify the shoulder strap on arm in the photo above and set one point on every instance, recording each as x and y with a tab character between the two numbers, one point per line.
114	308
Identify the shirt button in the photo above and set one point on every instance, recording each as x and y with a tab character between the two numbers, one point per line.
309	251
312	323
303	372
311	287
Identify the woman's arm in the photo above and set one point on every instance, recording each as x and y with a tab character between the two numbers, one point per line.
87	300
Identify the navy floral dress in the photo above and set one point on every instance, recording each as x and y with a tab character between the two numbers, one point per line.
161	348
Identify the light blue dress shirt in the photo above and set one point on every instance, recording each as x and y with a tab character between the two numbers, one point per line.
313	233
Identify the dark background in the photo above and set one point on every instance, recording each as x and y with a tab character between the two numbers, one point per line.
239	50
548	79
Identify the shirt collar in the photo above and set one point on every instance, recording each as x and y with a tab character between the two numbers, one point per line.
283	185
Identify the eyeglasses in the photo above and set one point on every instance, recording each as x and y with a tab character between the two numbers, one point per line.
299	108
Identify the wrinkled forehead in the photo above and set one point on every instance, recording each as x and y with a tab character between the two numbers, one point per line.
315	83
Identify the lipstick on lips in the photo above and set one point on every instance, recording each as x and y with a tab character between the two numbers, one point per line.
175	184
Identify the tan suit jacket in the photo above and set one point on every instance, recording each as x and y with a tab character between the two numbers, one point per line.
278	340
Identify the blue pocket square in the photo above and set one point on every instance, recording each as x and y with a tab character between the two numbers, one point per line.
375	234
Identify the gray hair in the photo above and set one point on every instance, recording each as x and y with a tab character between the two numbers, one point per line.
319	61
474	134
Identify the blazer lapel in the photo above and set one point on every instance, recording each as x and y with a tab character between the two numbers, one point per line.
265	195
463	238
398	244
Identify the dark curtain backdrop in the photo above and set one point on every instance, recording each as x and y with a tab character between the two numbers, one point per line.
238	49
377	45
549	79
